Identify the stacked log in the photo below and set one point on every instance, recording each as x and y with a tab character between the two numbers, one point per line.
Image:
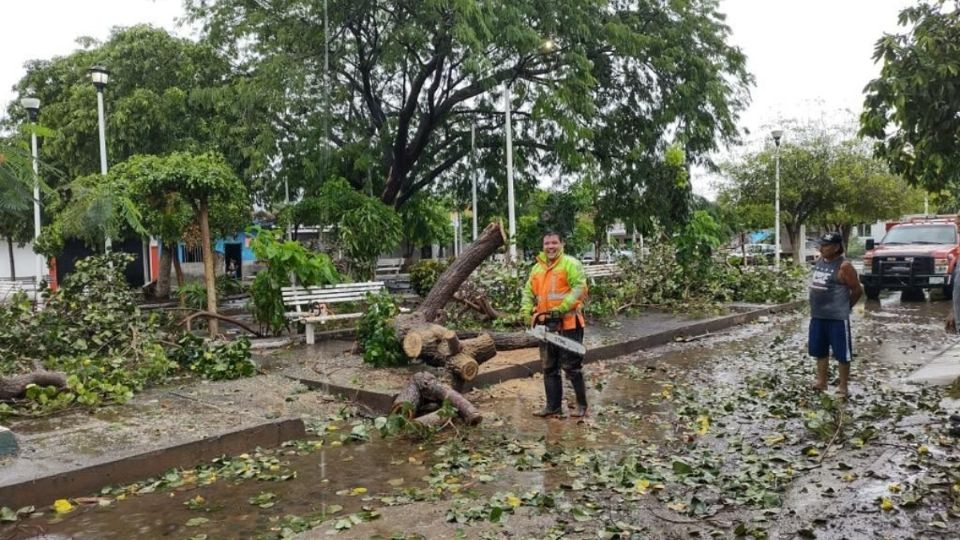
423	388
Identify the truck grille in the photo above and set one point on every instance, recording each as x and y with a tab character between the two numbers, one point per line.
903	265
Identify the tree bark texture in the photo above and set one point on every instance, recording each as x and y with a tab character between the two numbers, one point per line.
506	341
208	269
16	386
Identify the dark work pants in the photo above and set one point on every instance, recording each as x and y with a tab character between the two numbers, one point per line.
554	358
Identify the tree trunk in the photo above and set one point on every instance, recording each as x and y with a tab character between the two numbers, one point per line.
480	348
407	401
208	269
166	264
845	231
431	389
743	248
450	281
13	268
793	231
176	266
15	387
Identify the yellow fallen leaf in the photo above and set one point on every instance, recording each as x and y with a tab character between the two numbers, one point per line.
923	450
813	452
886	504
331	427
774	439
677	506
641	485
358	491
336	444
396	482
849	477
579	460
513	501
62	506
894	487
704	424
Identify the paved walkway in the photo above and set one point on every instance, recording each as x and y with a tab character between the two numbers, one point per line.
943	370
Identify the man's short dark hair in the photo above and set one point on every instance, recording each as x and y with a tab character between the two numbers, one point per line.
552	233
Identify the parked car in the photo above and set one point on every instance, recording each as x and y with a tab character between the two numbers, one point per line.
753	253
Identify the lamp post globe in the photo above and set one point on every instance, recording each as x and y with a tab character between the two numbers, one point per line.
100	76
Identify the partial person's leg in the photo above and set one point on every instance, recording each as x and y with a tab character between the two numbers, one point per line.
842	344
552	385
573	369
818	346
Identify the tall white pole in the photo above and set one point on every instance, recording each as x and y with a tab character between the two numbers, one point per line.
511	212
776	236
36	209
286	199
107	243
473	174
926	204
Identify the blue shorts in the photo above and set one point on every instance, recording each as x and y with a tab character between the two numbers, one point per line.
830	334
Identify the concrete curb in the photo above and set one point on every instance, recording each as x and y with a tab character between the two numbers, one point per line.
381	401
83	481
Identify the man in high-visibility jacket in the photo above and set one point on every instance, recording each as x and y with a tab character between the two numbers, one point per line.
554	296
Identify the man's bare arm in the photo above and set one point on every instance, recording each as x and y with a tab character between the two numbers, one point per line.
848	274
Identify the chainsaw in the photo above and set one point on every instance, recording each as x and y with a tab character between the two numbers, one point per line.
545	330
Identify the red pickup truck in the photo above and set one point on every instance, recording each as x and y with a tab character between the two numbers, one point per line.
915	254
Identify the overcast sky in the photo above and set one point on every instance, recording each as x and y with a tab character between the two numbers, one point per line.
811	59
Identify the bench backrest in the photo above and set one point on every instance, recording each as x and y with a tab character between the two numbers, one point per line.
389	266
330	294
601	270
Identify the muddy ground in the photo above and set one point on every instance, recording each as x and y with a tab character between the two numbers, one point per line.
719	437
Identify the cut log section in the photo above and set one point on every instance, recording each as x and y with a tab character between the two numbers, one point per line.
407	401
506	341
15	387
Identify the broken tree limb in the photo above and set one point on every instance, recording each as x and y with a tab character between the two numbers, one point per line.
480	348
189	319
15	387
431	388
432	420
407	401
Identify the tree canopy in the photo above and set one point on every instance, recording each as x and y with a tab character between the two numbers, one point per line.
601	86
917	96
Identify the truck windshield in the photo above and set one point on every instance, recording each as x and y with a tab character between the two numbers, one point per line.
924	234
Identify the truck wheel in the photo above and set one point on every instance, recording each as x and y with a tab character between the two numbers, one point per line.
872	293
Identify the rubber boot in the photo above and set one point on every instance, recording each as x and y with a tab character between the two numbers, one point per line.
552	385
580	390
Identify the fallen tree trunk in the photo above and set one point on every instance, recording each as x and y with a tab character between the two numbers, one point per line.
505	341
15	387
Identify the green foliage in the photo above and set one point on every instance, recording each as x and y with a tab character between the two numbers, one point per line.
425	221
366	231
424	274
917	95
194	293
90	329
225	361
696	242
375	332
283	259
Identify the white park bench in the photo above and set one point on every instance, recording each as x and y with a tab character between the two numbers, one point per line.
10	287
389	267
601	270
312	304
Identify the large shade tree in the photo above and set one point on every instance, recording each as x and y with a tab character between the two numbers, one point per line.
603	86
913	108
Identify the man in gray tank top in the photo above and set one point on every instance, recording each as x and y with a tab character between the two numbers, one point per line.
834	290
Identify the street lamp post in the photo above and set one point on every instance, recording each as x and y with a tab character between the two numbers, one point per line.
100	77
32	105
473	175
777	134
511	210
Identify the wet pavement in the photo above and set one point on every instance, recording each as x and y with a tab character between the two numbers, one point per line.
714	437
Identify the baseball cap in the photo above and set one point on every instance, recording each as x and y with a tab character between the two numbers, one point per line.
831	238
